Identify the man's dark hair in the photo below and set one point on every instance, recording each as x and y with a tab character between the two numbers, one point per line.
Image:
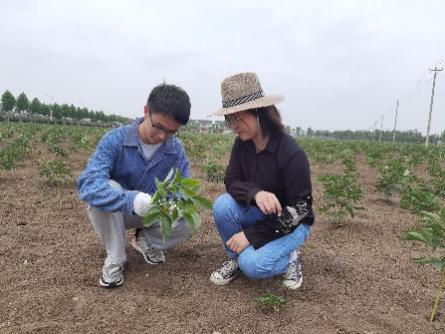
170	100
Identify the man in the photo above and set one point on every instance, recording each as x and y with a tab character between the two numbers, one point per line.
119	180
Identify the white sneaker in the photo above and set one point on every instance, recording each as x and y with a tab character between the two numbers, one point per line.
293	279
112	275
150	254
227	273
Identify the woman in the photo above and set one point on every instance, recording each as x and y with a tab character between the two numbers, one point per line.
266	214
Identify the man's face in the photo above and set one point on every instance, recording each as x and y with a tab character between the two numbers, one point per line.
157	127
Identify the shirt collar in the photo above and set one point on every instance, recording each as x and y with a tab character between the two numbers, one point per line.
131	137
272	145
274	142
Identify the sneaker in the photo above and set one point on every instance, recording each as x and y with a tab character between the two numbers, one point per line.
112	275
229	271
293	277
150	254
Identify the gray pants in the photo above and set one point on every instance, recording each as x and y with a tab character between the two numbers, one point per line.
110	228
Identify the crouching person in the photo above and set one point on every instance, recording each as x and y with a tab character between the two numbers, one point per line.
266	214
119	180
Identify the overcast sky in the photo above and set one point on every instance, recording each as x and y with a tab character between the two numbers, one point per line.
339	64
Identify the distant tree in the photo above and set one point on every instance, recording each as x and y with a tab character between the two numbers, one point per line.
57	111
298	131
45	109
73	111
100	116
22	103
35	107
8	101
65	110
309	132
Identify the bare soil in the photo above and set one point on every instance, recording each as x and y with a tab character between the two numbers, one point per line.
358	278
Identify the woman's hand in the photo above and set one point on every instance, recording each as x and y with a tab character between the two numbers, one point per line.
267	202
238	242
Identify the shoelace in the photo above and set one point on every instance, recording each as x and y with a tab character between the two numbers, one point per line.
227	269
293	273
113	269
146	247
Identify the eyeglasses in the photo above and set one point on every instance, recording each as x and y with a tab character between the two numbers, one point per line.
161	128
233	119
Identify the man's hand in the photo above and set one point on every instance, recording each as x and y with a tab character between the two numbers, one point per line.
267	202
142	204
238	242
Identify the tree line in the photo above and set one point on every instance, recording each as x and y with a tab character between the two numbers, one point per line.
406	136
22	106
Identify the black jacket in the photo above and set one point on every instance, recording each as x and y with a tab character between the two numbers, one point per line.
281	168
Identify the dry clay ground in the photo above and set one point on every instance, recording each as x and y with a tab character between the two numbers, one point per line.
358	278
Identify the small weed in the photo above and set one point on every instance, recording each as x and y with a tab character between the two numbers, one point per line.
271	302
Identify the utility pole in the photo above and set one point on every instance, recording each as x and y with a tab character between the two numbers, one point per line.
431	105
381	129
375	129
395	123
51	108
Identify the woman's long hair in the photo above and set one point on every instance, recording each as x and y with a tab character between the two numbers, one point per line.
269	119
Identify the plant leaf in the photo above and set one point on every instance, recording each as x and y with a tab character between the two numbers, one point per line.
152	216
166	225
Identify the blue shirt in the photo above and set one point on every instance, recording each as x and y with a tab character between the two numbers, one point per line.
119	157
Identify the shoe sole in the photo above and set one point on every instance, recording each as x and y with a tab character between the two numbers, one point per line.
294	286
139	249
219	281
104	284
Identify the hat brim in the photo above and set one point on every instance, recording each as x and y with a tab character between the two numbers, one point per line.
265	101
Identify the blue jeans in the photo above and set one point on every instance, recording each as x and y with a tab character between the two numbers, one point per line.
270	260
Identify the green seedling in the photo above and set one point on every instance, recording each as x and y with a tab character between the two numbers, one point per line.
176	197
342	196
433	235
271	302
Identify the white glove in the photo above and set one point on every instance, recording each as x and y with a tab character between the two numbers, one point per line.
142	204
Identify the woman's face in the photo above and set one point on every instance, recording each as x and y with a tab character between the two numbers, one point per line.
244	123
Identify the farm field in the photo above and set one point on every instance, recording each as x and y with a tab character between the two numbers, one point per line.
359	274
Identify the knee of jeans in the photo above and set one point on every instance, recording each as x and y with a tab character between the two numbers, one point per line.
222	207
254	267
115	185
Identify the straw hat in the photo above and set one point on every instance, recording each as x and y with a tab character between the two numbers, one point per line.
243	91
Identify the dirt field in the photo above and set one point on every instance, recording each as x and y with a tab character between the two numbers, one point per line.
358	278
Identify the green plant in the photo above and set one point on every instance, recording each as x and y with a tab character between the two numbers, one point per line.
395	176
176	197
15	151
417	200
342	194
375	156
271	302
57	150
55	172
214	171
437	175
348	160
433	235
